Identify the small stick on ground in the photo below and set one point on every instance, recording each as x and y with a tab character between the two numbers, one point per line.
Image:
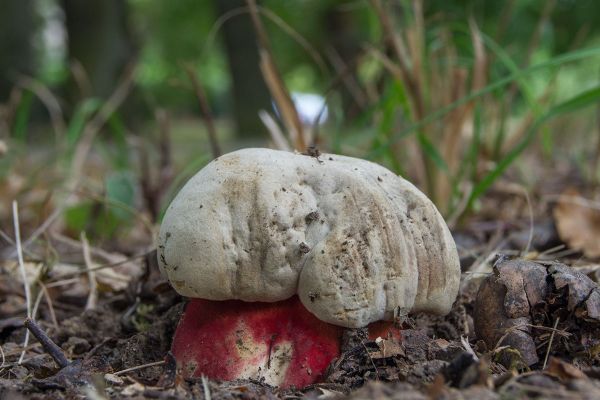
49	346
152	364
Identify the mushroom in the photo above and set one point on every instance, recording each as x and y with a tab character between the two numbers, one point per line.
280	251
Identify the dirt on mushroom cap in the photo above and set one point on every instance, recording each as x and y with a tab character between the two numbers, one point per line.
356	242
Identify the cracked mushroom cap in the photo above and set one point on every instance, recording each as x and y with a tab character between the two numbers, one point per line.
357	243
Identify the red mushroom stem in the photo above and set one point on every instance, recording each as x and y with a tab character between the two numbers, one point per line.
281	342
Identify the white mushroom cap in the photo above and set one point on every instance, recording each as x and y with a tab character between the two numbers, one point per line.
356	242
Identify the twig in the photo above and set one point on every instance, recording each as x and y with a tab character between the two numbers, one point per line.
15	209
92	299
550	342
205	110
49	346
137	367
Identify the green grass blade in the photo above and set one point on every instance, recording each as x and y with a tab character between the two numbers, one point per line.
82	114
554	62
580	101
22	116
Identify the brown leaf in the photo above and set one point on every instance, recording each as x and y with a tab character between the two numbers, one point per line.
563	371
578	223
387	348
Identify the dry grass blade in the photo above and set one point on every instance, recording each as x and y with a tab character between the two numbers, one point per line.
92	299
49	101
206	388
92	128
44	290
274	82
416	44
457	119
312	52
467	346
550	343
153	187
83	149
81	78
205	110
283	100
349	80
138	367
276	135
15	209
394	39
414	93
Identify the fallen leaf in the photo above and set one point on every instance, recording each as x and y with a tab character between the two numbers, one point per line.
564	371
578	222
387	348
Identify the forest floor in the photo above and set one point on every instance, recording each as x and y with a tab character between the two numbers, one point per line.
532	332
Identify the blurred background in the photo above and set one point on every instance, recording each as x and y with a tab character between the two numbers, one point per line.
107	107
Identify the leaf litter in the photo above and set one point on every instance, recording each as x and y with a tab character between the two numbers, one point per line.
522	327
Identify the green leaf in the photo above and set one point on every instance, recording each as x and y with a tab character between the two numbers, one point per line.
77	216
120	189
22	116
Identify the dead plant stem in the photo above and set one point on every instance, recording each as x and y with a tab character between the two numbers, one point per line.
92	299
550	342
15	209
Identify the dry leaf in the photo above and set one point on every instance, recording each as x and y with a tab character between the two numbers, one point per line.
578	223
563	371
387	348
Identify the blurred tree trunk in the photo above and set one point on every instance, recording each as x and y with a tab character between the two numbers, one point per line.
250	93
17	26
99	42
